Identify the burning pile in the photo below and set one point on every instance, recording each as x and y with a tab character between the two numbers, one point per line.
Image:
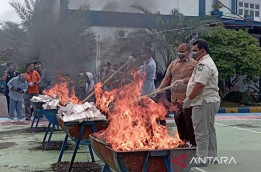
61	92
70	108
84	112
133	122
41	98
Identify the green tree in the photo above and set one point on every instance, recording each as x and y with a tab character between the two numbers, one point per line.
12	42
59	42
235	53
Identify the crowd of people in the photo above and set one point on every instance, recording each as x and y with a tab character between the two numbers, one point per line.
193	78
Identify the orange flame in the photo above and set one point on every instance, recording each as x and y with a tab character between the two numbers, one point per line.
133	124
61	91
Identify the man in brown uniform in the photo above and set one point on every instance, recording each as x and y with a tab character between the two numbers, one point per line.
178	74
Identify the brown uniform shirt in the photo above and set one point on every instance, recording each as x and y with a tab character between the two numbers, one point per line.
180	69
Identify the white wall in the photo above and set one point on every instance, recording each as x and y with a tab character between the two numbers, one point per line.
164	6
186	7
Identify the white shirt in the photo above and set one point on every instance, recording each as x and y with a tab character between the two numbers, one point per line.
90	86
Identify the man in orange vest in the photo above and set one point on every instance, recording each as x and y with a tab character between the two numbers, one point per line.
33	79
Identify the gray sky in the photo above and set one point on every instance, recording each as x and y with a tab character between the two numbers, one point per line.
7	13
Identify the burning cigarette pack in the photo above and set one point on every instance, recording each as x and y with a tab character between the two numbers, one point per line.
41	98
84	112
51	104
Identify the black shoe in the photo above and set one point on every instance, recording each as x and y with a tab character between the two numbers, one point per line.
27	119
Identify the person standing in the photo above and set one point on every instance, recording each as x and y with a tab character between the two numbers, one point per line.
147	71
177	75
45	80
17	86
202	95
8	75
81	83
107	71
33	79
91	85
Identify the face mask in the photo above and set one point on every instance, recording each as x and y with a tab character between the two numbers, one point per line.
37	66
143	56
194	55
11	69
81	74
105	68
181	56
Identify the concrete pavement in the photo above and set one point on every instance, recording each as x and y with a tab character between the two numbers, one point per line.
3	106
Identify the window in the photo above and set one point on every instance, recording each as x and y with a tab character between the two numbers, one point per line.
240	11
248	9
245	12
251	13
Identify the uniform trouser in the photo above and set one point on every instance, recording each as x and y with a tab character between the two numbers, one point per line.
15	105
203	118
8	102
27	103
184	125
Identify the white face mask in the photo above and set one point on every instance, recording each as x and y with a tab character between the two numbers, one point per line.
81	74
105	68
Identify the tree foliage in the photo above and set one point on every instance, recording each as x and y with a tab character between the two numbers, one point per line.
235	53
59	44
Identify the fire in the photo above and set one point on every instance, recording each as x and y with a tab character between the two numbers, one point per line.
61	91
133	124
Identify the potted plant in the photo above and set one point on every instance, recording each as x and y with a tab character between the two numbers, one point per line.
217	6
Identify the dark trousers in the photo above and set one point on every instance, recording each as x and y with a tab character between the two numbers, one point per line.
185	126
8	102
27	104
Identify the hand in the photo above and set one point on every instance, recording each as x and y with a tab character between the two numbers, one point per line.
131	58
186	103
14	88
31	84
178	85
21	91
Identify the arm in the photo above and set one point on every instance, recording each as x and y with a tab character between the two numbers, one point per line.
10	84
38	79
196	90
165	82
186	80
5	74
26	87
167	79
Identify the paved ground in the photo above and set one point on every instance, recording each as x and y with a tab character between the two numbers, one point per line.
3	106
239	139
239	136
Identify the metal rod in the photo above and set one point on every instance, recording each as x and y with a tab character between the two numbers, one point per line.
47	131
50	136
39	116
155	92
76	147
63	148
109	78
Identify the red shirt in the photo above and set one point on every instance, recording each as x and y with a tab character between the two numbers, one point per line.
33	77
